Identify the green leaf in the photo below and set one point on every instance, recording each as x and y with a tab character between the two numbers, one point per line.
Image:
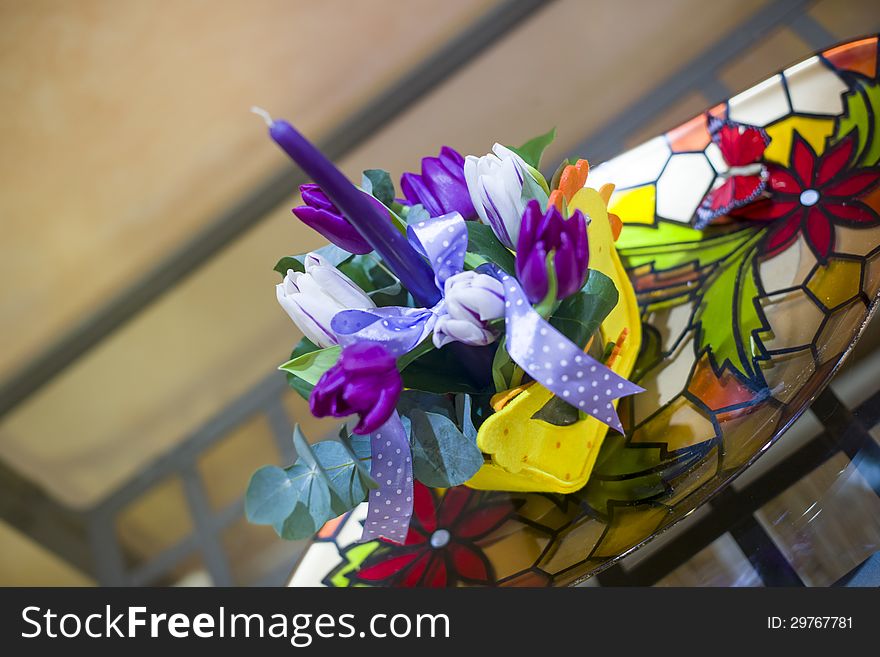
311	366
535	188
270	496
503	366
288	262
557	412
483	243
332	253
347	478
421	349
411	400
534	148
580	315
442	455
438	371
728	314
370	274
302	388
378	183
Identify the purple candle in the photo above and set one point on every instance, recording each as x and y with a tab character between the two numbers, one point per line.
413	272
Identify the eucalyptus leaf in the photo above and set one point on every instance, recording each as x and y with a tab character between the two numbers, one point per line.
580	315
359	445
299	525
377	182
348	479
313	507
270	496
534	148
417	213
442	455
311	366
463	412
483	243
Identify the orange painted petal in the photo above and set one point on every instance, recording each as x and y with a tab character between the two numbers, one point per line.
555	199
858	56
605	191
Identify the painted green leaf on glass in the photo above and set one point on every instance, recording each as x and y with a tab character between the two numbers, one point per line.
861	106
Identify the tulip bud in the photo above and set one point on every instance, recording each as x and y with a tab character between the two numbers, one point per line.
320	214
365	381
472	301
314	297
542	233
441	188
495	183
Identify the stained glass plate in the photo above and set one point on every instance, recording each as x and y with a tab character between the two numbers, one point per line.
744	323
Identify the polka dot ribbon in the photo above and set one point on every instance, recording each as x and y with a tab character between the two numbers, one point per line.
390	506
556	362
442	241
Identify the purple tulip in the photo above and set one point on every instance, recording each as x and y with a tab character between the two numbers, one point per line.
539	234
320	214
441	188
365	381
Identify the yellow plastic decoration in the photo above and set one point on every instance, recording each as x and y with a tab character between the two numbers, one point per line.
525	454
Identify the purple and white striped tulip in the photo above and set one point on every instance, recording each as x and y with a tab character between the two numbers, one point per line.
472	300
314	297
495	183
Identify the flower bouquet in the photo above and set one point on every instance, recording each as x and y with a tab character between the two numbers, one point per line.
480	327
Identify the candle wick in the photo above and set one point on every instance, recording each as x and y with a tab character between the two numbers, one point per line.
259	111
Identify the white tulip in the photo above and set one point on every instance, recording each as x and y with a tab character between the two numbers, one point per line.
495	183
471	301
314	297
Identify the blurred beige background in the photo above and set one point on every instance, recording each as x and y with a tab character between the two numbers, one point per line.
126	129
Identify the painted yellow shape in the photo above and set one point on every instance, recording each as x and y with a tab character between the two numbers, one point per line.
635	206
814	131
532	455
836	282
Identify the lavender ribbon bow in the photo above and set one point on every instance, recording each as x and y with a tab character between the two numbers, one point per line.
556	362
442	241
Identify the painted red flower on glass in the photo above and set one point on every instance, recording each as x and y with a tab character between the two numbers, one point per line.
814	195
441	547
